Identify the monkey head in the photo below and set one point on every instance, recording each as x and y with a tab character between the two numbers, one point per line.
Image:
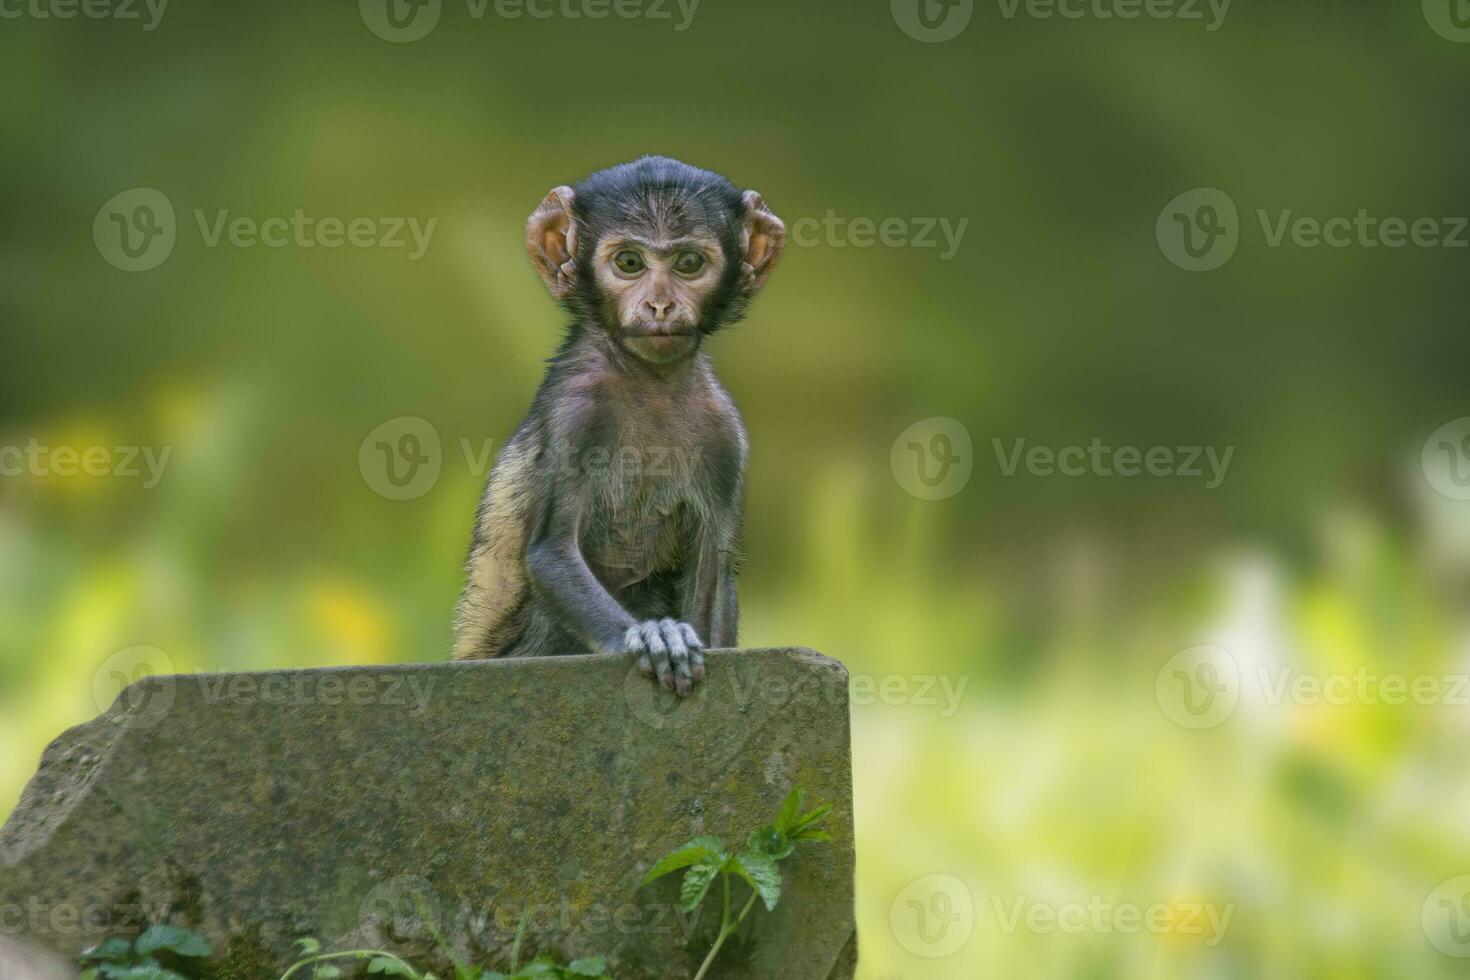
655	252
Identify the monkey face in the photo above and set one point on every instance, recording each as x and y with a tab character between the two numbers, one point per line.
657	253
656	292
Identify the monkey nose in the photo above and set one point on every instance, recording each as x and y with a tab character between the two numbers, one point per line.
660	308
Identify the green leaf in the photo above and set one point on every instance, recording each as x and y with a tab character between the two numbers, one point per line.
809	819
769	840
113	950
388	966
813	834
588	966
760	872
148	971
789	809
310	946
90	973
179	940
697	881
494	975
468	971
326	970
540	967
691	853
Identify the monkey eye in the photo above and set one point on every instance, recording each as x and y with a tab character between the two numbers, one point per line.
688	263
629	262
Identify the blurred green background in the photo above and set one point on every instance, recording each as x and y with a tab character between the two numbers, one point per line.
1059	777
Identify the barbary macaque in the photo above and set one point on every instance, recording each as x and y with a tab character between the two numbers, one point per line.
611	520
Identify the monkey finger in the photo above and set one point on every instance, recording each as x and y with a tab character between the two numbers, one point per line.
659	651
691	638
696	665
633	640
673	638
653	639
645	666
683	683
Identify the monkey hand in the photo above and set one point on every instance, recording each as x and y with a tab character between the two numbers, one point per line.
669	650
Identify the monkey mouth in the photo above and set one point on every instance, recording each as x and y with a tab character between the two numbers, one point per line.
661	344
638	333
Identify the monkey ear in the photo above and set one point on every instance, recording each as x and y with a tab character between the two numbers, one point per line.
762	238
551	242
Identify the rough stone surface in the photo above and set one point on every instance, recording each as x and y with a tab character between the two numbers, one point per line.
352	804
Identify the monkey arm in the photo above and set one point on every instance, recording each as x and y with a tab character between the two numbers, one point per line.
710	603
725	627
556	566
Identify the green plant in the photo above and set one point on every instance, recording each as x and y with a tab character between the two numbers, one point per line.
758	865
389	965
139	959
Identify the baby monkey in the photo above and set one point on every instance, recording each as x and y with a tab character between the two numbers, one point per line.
611	520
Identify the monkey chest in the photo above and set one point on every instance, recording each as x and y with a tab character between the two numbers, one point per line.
636	533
